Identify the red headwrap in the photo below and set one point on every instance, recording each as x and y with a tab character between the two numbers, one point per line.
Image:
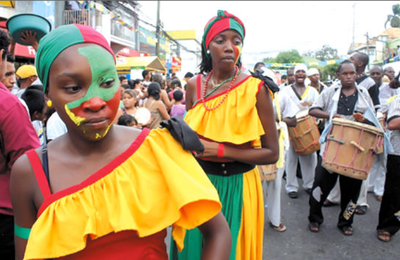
223	21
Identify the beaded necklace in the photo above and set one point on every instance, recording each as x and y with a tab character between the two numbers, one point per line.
237	71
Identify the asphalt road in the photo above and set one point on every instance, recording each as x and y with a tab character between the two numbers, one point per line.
297	242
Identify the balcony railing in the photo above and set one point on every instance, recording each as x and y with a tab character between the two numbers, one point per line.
85	17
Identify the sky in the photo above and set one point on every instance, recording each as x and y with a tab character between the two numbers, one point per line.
274	26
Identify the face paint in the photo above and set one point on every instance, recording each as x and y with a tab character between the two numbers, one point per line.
238	51
103	90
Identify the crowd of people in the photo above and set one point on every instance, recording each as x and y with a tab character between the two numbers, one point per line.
96	166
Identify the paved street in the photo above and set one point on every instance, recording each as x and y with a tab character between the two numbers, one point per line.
297	242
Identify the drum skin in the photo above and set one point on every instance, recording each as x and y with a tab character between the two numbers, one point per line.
351	148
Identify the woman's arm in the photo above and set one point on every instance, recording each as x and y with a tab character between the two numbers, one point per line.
217	239
163	111
22	189
190	96
165	99
269	152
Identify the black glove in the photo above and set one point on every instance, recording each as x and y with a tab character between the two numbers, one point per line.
183	134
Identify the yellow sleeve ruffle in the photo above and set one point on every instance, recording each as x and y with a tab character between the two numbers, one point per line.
160	184
235	121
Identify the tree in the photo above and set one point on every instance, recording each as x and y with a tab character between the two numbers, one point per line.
326	53
395	18
292	56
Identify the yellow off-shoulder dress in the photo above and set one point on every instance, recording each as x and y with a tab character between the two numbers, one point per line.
235	122
122	211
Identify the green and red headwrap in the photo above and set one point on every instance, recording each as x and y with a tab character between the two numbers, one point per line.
51	45
223	21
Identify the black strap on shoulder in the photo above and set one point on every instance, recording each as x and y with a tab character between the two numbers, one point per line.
45	159
268	82
295	92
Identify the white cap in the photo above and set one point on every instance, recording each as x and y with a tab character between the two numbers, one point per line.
312	71
300	66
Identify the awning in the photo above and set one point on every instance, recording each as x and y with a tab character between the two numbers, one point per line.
128	52
8	3
152	63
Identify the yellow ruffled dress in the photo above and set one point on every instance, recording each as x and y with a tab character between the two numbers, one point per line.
235	122
150	186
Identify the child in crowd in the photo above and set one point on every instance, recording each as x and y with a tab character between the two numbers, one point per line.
178	109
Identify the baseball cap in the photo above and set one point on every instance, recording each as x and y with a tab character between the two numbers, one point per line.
25	71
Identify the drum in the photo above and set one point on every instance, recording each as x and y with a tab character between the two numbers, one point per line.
268	172
351	148
305	136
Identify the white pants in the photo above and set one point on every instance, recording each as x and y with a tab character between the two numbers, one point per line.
272	195
378	175
307	166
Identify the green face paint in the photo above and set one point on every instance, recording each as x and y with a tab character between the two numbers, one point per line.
104	88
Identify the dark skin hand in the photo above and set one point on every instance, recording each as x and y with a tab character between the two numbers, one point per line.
269	152
29	37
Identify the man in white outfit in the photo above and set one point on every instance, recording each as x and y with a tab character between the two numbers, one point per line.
287	110
303	97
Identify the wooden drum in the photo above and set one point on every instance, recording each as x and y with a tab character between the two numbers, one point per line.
305	136
268	172
351	148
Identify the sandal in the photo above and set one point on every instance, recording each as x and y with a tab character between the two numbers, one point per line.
361	210
384	235
281	227
313	227
347	230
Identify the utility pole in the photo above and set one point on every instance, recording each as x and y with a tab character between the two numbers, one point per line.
158	30
354	21
367	46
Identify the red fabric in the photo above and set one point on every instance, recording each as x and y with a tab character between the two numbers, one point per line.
39	173
91	36
124	245
98	175
220	150
219	24
17	136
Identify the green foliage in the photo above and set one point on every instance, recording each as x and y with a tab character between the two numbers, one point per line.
395	18
326	53
292	56
328	70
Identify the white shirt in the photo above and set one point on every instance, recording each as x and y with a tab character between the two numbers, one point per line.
55	127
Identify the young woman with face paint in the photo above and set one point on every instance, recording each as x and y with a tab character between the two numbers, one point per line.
95	195
232	114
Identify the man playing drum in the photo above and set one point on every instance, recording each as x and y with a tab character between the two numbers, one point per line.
352	102
303	97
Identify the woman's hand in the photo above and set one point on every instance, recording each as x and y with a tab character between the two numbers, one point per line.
210	149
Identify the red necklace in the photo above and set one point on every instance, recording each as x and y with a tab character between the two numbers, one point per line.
226	94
